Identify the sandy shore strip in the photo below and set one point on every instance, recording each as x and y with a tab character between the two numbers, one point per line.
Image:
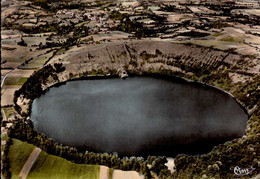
29	163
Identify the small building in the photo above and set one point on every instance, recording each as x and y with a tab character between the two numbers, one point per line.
122	73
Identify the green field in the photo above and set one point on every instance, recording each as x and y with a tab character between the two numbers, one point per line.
111	173
4	136
50	166
8	111
18	155
82	23
232	39
38	62
15	80
13	59
47	166
217	34
221	45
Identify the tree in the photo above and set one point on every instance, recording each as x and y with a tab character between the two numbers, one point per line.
22	42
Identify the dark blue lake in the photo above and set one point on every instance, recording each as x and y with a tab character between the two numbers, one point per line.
138	116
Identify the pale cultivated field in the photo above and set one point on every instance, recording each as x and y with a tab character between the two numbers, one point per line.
29	40
15	55
224	45
4	72
21	73
6	34
178	17
12	83
7	94
8	11
114	35
119	174
133	3
104	172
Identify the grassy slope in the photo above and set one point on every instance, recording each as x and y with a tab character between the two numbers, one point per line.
4	137
18	155
225	44
38	62
50	166
47	166
15	81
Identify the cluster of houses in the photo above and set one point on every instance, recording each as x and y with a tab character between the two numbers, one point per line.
97	19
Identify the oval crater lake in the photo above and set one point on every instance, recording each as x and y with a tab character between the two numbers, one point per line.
138	116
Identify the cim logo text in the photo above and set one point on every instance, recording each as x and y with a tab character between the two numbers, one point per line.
243	171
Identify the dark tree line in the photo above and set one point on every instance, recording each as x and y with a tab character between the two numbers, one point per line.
32	87
5	160
139	30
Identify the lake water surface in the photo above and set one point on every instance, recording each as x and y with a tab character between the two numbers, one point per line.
138	116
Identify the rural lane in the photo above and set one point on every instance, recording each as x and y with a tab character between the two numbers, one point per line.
29	163
3	81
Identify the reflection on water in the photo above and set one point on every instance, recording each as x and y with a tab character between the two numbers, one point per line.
138	116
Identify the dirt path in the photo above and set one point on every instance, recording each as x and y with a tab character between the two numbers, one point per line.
29	163
104	172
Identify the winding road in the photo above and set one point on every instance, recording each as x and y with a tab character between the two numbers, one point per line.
3	81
